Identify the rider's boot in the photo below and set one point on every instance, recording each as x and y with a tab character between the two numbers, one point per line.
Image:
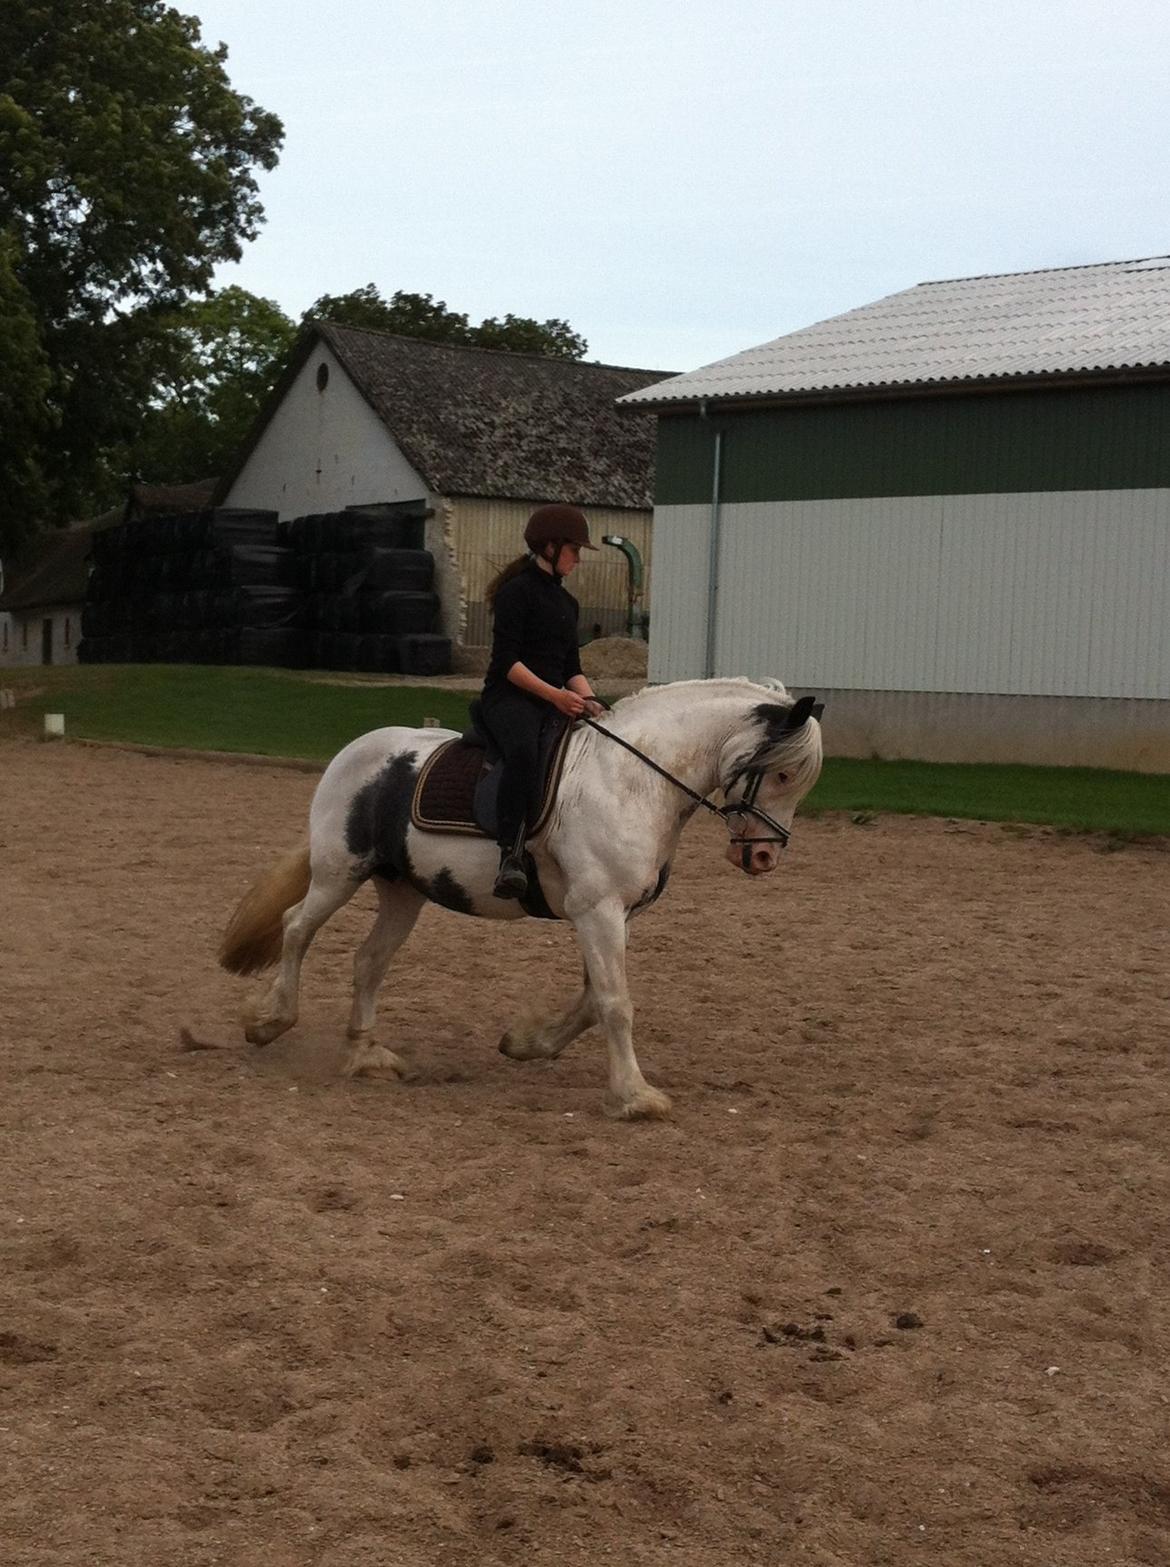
512	878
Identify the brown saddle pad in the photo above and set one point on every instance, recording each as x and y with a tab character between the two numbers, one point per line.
444	795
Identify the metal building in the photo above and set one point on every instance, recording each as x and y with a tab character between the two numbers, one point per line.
948	512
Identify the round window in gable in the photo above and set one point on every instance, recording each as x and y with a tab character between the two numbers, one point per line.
322	376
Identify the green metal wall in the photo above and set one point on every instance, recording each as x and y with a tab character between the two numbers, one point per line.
1093	438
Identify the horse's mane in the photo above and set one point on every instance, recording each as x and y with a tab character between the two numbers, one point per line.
767	745
767	683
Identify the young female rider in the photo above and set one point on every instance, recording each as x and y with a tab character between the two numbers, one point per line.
534	666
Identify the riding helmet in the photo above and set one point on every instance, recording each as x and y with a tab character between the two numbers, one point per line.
557	524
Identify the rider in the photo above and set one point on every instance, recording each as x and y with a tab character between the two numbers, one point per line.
534	665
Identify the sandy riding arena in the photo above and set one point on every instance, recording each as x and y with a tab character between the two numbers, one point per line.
891	1288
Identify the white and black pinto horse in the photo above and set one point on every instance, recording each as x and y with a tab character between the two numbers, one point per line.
603	855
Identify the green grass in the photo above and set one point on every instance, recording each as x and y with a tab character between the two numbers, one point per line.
287	713
1077	798
270	712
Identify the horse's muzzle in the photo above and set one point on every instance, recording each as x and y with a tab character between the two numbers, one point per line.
755	859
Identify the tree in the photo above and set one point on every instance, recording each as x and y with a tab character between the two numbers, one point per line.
126	176
218	358
420	315
25	416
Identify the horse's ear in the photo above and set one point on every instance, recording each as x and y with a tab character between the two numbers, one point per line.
802	711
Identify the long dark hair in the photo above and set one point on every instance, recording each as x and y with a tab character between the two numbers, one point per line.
505	574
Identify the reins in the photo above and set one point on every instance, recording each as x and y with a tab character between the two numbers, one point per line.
743	807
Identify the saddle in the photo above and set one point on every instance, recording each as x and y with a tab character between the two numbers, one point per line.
458	785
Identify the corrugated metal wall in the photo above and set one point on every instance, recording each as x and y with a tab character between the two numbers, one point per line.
487	534
1064	594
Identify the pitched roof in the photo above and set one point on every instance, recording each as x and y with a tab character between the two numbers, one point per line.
478	421
1066	322
51	568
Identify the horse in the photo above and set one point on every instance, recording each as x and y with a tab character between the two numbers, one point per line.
630	782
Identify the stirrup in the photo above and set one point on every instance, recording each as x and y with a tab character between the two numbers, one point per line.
511	878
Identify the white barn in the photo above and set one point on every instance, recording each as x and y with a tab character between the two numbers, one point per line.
948	512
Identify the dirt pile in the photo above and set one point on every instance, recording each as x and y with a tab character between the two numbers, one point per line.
615	658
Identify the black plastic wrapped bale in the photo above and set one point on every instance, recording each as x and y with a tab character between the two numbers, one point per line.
96	621
424	654
259	606
340	612
330	570
399	614
306	534
378	654
396	524
238	527
281	646
243	565
108	545
403	571
346	651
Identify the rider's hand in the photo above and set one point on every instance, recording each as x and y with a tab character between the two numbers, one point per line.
569	703
594	708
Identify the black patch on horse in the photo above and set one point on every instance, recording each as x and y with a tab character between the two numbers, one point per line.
446	890
379	815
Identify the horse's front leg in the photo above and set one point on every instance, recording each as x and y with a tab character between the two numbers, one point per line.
543	1038
601	932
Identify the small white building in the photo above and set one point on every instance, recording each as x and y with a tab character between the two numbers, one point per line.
948	512
42	589
480	436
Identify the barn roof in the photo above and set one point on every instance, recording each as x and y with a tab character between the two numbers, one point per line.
51	568
1064	323
478	421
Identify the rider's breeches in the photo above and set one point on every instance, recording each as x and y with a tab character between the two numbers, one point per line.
515	722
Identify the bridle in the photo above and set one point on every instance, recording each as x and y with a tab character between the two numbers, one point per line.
807	707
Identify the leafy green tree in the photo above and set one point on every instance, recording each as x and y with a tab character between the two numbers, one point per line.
218	358
126	176
522	335
421	315
25	415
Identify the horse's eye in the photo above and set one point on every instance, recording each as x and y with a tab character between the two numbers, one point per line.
781	777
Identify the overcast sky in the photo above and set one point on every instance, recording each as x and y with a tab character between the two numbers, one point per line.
681	180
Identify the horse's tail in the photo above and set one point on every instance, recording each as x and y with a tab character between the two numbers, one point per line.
255	932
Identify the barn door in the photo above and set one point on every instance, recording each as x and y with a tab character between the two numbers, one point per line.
46	641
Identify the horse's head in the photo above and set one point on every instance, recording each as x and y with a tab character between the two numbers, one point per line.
769	781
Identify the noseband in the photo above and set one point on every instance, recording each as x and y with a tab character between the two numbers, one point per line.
746	806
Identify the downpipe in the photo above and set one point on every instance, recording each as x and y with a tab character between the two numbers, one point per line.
713	546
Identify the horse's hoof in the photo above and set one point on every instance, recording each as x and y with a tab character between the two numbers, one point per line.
649	1104
368	1060
264	1033
517	1047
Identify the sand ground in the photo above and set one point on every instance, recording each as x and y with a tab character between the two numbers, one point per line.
891	1288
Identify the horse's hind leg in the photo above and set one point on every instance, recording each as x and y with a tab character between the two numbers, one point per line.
543	1039
398	908
276	1012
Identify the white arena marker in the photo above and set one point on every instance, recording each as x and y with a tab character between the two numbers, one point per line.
54	725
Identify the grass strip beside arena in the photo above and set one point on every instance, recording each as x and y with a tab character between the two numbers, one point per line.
286	713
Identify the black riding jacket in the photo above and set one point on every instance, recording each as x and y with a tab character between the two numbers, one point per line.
535	625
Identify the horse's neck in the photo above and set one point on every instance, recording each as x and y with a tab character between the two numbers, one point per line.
687	728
